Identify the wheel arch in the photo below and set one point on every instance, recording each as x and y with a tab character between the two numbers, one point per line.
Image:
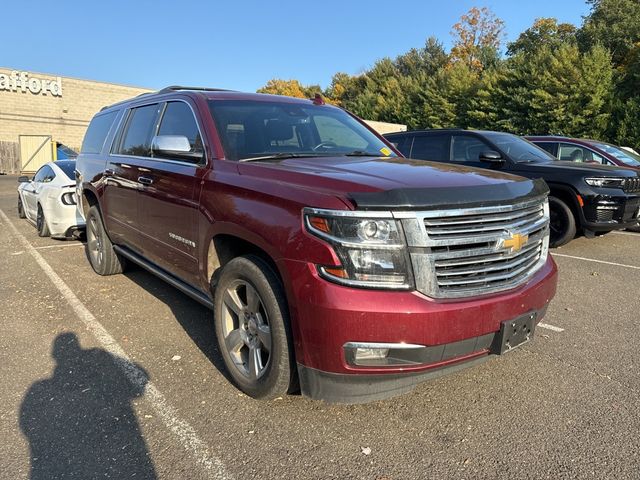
89	199
224	247
569	196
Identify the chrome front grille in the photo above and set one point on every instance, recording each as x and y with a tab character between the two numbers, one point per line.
467	252
632	185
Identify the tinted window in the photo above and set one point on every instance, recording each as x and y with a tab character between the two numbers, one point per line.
576	153
548	146
467	148
68	167
519	149
250	129
97	132
431	147
178	119
403	143
44	175
137	138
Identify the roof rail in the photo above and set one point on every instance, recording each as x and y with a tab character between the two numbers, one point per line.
173	88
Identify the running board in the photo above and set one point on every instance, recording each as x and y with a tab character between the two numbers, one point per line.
185	288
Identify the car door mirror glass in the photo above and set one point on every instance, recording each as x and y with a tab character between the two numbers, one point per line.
173	146
23	179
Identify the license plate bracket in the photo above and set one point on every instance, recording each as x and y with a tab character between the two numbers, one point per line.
514	333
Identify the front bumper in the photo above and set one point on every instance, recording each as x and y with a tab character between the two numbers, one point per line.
603	213
326	317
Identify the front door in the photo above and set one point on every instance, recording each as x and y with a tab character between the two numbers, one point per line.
169	197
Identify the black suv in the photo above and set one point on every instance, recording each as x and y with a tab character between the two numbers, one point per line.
590	199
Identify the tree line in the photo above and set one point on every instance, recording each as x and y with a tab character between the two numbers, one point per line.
555	78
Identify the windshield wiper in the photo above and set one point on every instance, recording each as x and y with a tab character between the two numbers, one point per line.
278	156
362	153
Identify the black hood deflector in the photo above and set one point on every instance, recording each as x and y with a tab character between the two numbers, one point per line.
451	197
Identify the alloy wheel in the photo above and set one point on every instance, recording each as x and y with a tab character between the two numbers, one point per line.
93	241
246	330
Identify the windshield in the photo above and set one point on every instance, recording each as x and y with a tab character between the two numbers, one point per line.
625	157
252	129
519	149
68	167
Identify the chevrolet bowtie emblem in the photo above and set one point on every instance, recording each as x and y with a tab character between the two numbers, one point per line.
515	242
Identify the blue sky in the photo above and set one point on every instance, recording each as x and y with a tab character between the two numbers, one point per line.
236	44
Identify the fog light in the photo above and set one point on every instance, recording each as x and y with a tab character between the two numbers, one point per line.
371	353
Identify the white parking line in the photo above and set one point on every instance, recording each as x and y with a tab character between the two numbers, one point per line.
553	328
169	415
634	267
66	245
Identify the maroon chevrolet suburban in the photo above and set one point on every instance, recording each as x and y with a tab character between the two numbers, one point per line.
332	264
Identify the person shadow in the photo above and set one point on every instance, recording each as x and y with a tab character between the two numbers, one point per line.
80	423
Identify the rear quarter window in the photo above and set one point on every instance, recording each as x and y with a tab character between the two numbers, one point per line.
431	147
97	132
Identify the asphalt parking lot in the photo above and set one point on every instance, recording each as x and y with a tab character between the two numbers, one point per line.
564	406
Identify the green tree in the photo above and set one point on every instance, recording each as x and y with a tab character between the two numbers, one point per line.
556	90
614	24
289	88
544	32
477	35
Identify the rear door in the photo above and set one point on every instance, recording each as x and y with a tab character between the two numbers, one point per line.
132	147
169	196
431	146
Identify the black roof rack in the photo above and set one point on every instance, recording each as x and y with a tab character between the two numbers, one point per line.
173	88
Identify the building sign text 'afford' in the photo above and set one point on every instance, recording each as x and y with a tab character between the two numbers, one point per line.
22	82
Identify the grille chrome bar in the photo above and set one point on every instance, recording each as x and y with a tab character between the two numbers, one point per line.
487	267
468	252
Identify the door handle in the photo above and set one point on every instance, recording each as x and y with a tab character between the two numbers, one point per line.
109	172
145	180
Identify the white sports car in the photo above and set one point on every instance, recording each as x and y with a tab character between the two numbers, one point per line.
48	200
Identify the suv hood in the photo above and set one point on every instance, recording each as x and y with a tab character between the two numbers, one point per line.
578	168
370	182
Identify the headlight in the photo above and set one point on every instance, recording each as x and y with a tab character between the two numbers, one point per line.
607	182
68	198
372	250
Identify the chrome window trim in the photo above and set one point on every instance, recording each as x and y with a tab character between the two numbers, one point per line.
120	132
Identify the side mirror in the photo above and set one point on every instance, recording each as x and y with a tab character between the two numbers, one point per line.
174	146
23	179
491	156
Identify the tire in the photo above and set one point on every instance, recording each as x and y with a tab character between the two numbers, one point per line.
41	223
21	213
562	223
252	328
100	252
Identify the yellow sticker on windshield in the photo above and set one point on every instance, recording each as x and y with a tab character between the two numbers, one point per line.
385	151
